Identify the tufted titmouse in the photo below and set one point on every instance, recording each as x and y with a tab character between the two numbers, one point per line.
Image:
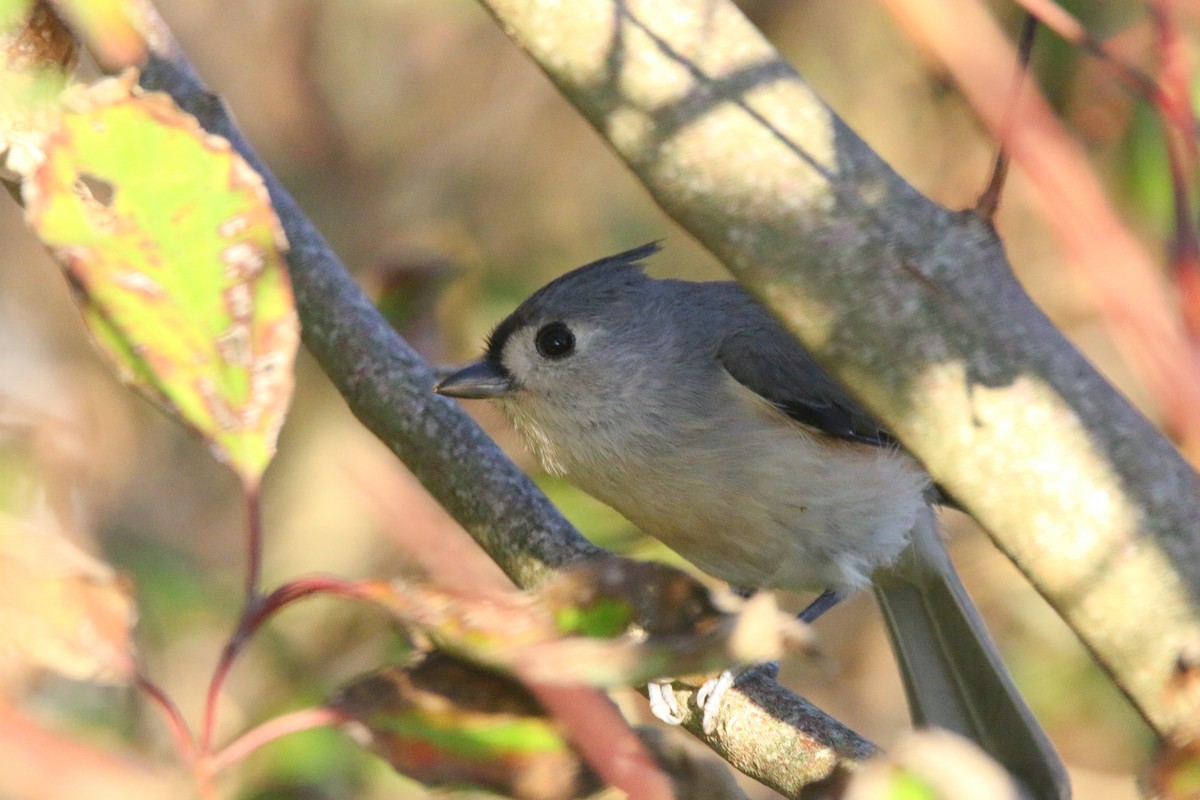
689	409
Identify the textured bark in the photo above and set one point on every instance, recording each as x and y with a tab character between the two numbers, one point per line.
912	306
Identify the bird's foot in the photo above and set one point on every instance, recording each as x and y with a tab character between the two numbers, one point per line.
663	704
711	695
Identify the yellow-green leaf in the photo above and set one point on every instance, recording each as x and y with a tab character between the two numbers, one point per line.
176	258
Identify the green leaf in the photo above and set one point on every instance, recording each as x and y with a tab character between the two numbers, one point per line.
604	619
446	722
176	259
473	739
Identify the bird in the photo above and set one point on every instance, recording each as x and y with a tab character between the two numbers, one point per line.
687	407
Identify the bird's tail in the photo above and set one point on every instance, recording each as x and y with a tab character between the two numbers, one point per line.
952	673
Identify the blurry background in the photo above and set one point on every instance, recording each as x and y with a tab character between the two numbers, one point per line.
452	178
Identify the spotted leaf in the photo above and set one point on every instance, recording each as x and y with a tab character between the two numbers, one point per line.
175	256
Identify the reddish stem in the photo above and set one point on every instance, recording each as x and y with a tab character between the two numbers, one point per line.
1174	102
1057	19
181	733
224	664
185	745
256	612
269	731
254	542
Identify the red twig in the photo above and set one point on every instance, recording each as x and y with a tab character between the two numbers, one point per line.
1059	20
598	731
296	721
185	745
1174	101
220	672
182	734
253	617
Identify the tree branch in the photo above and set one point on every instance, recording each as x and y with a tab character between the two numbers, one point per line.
793	745
387	384
910	305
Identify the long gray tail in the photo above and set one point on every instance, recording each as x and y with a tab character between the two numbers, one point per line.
953	676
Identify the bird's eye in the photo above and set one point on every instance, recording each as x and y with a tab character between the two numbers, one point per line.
555	341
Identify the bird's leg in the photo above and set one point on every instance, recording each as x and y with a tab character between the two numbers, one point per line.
710	696
822	603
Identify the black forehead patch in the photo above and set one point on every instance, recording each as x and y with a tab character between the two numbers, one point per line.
593	283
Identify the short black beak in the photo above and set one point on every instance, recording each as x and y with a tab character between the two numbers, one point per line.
479	381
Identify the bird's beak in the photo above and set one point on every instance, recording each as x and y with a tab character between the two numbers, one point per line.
479	381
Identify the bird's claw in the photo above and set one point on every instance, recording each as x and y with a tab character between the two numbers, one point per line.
663	704
710	696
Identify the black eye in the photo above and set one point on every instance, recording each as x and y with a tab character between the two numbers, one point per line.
555	340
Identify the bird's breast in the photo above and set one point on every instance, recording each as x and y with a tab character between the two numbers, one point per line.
764	505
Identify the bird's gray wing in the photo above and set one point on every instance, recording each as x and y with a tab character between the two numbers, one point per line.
763	357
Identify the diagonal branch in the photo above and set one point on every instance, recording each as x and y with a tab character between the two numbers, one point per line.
910	305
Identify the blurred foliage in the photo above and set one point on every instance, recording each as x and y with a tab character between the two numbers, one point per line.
414	127
450	723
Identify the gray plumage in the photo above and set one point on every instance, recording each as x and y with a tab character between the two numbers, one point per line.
689	409
743	456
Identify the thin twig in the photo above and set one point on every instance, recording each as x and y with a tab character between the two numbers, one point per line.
1169	96
185	745
1059	20
293	722
254	543
989	199
253	616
